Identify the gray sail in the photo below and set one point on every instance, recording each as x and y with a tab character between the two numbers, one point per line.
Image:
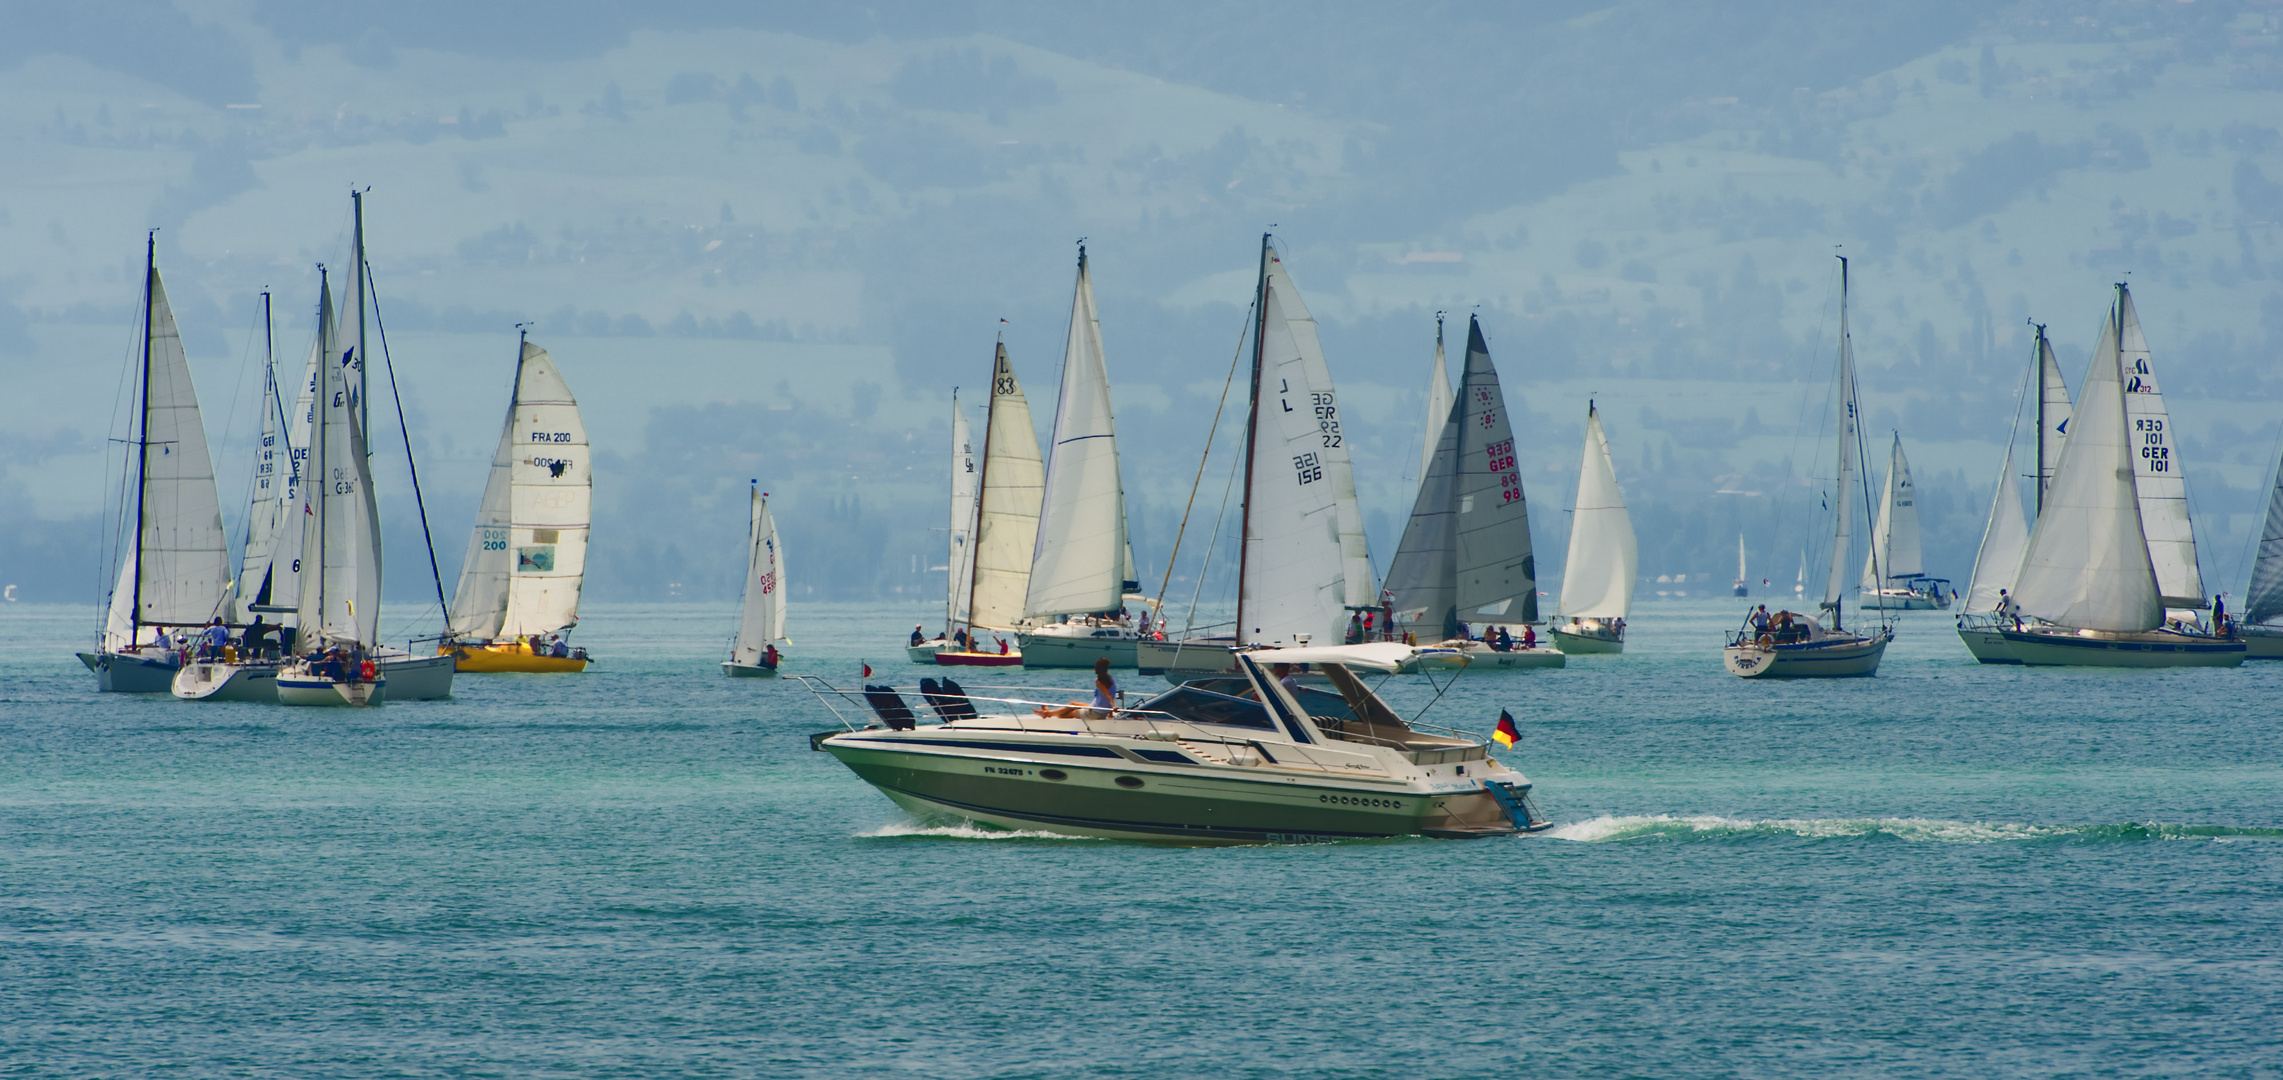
1497	578
2264	600
1423	581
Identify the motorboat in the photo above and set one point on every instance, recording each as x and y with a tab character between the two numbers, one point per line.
1244	760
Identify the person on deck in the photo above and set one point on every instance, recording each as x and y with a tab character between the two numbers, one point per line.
769	656
917	636
1529	637
211	639
1355	629
2220	615
1496	638
1105	700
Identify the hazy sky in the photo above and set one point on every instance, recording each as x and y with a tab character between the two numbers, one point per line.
765	241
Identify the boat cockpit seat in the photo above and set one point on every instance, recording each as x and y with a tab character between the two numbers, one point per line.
948	699
890	707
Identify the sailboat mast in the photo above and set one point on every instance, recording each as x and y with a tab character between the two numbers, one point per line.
357	276
143	431
982	484
318	465
951	574
2037	377
1252	432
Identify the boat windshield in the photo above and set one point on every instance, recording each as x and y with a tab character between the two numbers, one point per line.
1317	703
1198	705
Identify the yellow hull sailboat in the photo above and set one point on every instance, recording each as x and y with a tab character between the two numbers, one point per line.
527	558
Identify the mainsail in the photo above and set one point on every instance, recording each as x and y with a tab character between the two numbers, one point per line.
527	556
2163	490
1598	573
964	488
1894	553
1438	403
1078	560
1305	568
1843	481
763	620
2088	566
2264	599
1006	519
1423	581
1498	578
340	536
177	571
2052	414
265	504
2004	540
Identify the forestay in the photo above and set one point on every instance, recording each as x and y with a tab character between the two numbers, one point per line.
1598	573
1498	577
1894	551
2087	566
527	556
1006	522
1305	566
763	618
2162	489
2004	540
1078	562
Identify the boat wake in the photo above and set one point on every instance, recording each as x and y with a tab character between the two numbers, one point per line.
964	830
1665	827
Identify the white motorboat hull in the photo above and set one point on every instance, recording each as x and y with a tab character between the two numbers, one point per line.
202	681
132	673
735	670
1054	650
418	678
328	693
1828	659
2057	647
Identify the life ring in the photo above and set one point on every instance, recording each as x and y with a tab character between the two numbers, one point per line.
1767	641
368	671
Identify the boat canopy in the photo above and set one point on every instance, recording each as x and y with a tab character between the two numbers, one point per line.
1370	656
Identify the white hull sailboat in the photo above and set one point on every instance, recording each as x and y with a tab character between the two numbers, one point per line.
174	570
1464	572
1894	571
1303	569
761	619
1009	482
527	557
1798	646
1081	561
1603	559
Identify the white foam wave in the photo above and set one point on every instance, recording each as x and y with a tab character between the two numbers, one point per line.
1708	826
965	830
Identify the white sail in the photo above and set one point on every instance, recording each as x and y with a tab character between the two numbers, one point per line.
527	557
2087	566
1423	580
1598	574
285	544
1006	519
2264	599
964	490
265	505
1739	558
177	570
1438	404
763	618
1078	557
1498	576
1843	483
2157	477
2004	540
2052	413
1895	551
1304	547
340	544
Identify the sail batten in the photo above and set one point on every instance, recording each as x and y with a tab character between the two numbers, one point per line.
1599	569
1078	560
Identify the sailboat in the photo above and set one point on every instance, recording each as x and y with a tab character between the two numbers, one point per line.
1465	556
1081	563
174	572
1598	574
1894	570
2005	538
958	564
1798	645
1009	484
527	556
2263	597
761	622
339	613
1303	571
1742	589
2112	548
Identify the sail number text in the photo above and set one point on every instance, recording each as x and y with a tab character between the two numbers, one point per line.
1327	418
551	436
1501	455
1308	467
2152	448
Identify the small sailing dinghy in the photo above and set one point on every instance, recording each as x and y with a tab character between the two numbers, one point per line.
1464	576
1009	484
1081	565
1597	579
518	596
1304	573
1794	645
174	569
1894	570
761	623
2112	548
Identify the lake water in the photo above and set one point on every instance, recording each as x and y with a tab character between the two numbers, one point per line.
1948	871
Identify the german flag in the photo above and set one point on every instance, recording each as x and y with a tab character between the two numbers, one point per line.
1506	733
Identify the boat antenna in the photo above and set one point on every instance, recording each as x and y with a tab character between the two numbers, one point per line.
435	573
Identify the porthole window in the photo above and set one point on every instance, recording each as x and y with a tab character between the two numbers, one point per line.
1053	774
1129	781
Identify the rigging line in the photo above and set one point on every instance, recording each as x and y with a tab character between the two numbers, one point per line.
107	570
1189	621
404	432
2256	533
1799	423
1210	433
